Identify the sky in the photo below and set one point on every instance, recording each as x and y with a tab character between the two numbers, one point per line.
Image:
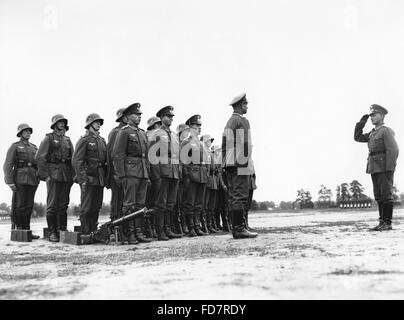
310	69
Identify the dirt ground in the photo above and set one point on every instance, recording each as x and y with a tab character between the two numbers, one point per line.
305	255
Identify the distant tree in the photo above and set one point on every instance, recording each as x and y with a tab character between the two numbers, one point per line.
324	194
338	194
402	198
286	205
304	199
73	210
39	209
262	206
271	205
4	207
254	205
345	195
356	190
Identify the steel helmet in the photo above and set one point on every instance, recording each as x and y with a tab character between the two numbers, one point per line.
152	121
59	117
93	117
119	114
22	127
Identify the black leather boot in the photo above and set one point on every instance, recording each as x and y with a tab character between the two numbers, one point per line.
161	235
381	222
197	223
131	233
167	226
140	236
184	223
51	220
190	222
387	216
239	230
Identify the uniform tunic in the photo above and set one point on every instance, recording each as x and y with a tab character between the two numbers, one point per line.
54	165
20	168
90	163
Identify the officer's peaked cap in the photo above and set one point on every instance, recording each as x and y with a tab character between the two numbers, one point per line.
375	108
133	108
166	111
195	119
241	97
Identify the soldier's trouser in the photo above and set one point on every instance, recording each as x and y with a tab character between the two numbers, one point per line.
116	200
134	198
210	205
57	203
222	207
238	195
23	204
383	192
165	203
193	201
91	203
249	201
151	198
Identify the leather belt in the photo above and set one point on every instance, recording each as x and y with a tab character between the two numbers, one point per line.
376	152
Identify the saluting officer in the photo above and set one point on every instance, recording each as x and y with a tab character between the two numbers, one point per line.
20	174
90	162
192	157
132	169
382	160
236	153
54	159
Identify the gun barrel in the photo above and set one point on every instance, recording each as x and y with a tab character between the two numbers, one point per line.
129	217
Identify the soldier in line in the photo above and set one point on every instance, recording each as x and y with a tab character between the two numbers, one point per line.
192	158
382	160
182	132
20	174
208	218
90	162
116	190
236	153
164	158
132	168
153	124
54	159
221	210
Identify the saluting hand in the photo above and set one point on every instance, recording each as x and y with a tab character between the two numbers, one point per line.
364	118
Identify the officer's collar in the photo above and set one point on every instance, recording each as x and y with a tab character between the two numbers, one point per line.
59	133
94	134
24	141
133	127
238	114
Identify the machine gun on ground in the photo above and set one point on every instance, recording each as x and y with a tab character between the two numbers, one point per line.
111	227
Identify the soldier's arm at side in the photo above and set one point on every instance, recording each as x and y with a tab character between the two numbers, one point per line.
78	161
8	166
40	157
119	153
392	151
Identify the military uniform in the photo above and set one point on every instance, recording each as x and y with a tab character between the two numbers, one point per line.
236	153
90	164
132	170
54	166
116	190
197	173
164	150
20	169
381	163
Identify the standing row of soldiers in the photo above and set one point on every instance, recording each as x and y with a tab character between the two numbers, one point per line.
180	176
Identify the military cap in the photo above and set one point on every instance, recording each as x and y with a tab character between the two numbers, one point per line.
375	108
152	121
207	137
241	97
182	127
92	118
195	119
166	111
133	108
119	114
22	127
59	117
